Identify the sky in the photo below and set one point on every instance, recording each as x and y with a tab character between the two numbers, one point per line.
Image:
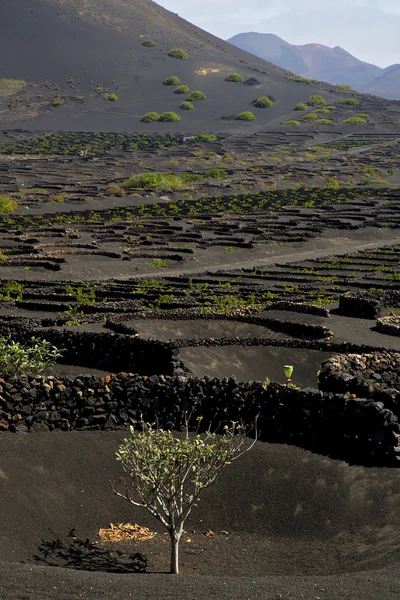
369	29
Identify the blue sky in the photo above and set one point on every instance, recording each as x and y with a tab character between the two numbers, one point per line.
369	29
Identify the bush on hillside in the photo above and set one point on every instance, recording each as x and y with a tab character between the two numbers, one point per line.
186	106
245	116
19	359
153	181
354	121
149	44
57	102
216	173
203	138
292	123
301	106
323	122
7	204
234	77
150	117
173	80
182	89
311	116
169	117
316	100
263	102
350	102
178	53
111	97
344	86
196	96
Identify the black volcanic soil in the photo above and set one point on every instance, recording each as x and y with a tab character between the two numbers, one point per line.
285	521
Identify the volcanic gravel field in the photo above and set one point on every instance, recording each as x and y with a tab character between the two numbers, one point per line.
188	252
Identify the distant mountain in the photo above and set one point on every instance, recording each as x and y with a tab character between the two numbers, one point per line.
386	85
313	61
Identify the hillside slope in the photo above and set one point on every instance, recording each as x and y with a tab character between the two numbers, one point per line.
314	61
386	85
67	54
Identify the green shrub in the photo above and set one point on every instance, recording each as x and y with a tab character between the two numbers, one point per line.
19	359
114	190
149	44
263	102
350	102
195	96
7	204
361	115
312	115
186	106
354	121
182	89
245	116
203	137
173	80
10	87
216	173
169	117
301	106
166	181
235	77
190	177
333	107
150	117
303	80
57	198
344	86
316	100
178	53
323	122
111	97
57	102
292	123
322	110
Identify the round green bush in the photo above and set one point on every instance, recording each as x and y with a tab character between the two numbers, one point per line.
150	117
149	44
178	53
111	97
182	89
195	96
354	121
186	106
311	116
169	117
301	106
7	204
245	116
323	111
57	102
173	80
362	115
292	123
235	77
316	101
263	102
323	122
350	102
216	173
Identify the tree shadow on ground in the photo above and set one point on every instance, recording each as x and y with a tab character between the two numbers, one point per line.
84	555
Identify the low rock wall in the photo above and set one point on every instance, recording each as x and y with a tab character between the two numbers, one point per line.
389	325
366	304
353	429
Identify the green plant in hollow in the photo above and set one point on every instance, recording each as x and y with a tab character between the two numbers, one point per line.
301	106
354	121
311	116
196	96
350	102
162	263
186	106
149	44
111	97
166	474
178	53
172	80
150	117
216	173
323	122
263	102
234	77
292	123
169	117
344	86
303	80
245	116
203	138
11	290
18	359
316	100
182	89
57	101
7	204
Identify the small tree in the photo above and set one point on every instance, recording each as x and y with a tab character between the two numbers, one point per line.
166	474
18	359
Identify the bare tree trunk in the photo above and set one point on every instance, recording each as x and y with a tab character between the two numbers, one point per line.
175	539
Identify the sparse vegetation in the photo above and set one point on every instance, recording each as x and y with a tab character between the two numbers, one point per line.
186	106
350	102
234	77
301	106
303	80
149	44
172	80
10	87
245	116
111	97
169	117
316	100
323	122
263	102
196	96
150	117
182	89
57	101
216	173
57	198
114	190
178	53
344	86
203	137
